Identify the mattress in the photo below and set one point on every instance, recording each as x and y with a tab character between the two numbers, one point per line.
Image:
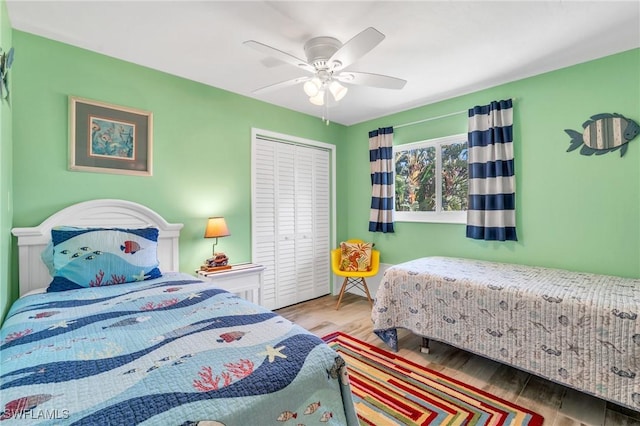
167	351
578	329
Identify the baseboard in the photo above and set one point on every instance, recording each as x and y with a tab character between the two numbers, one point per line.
373	283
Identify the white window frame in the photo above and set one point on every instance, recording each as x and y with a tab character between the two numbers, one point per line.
438	216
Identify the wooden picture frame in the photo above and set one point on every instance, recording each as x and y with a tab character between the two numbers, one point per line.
107	138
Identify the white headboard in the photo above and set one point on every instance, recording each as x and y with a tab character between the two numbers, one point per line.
95	213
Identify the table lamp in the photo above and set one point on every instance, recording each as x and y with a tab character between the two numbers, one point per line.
216	228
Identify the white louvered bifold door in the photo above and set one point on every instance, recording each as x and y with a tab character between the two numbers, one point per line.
321	222
304	222
264	217
291	221
286	291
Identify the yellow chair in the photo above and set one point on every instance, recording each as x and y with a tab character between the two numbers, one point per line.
354	278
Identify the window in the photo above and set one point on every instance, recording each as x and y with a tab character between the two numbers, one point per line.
431	180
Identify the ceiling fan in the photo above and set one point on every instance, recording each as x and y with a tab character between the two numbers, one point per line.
326	61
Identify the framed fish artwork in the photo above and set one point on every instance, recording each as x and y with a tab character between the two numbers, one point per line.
604	133
107	138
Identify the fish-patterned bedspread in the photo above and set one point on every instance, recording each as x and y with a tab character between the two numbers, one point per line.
578	329
168	351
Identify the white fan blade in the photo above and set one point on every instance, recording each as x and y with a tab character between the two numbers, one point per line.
282	84
368	79
279	54
358	46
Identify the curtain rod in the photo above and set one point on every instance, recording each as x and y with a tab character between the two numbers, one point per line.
430	118
436	118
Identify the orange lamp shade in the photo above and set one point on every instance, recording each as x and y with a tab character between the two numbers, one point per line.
216	227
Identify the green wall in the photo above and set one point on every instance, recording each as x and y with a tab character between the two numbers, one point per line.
201	143
572	211
6	206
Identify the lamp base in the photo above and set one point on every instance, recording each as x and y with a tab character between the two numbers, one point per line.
218	259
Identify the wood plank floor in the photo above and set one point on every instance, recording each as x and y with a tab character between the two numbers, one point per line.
560	406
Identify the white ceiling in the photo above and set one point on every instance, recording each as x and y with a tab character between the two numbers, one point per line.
442	48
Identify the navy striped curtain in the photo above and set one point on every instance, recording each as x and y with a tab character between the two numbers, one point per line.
491	214
381	160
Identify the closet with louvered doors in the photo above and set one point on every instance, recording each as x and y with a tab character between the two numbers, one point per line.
291	219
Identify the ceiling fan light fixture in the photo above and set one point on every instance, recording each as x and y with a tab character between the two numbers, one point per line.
337	90
318	99
312	87
326	58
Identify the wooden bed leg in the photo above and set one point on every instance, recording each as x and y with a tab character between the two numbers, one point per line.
424	348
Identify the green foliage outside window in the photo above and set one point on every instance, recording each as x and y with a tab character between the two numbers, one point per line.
416	178
455	177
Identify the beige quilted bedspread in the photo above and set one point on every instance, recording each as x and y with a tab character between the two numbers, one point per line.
578	329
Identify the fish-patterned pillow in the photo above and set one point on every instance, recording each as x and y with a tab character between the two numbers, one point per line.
95	257
47	253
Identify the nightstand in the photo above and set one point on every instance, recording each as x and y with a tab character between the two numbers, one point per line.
243	279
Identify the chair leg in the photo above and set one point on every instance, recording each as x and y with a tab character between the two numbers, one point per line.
344	287
366	290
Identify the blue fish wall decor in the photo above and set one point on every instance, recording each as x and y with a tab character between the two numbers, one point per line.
604	133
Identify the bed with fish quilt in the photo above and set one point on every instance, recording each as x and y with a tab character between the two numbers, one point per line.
578	329
167	351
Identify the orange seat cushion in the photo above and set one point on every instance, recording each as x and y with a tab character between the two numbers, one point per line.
355	256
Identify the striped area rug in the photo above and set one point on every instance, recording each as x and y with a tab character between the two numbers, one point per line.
391	390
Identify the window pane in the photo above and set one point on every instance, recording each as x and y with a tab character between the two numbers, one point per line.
454	177
415	179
